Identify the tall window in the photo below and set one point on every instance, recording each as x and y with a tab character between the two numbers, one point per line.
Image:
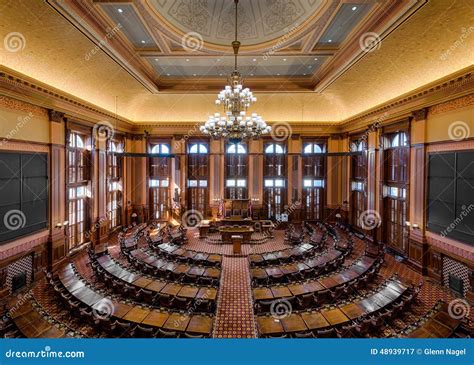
396	155
159	177
358	195
78	188
236	171
314	178
198	171
114	184
274	179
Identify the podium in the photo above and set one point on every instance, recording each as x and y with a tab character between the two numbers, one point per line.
236	244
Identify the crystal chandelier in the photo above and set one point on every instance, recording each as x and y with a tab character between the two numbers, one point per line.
235	125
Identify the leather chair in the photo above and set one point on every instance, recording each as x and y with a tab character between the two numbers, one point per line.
143	332
121	329
167	334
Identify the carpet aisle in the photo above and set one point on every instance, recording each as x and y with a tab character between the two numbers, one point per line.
235	318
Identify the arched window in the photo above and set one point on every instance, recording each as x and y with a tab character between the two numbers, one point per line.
198	148
311	148
161	148
76	141
236	148
274	148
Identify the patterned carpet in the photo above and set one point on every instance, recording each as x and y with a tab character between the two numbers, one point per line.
235	318
196	244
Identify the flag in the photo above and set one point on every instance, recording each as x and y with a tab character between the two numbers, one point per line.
250	208
221	208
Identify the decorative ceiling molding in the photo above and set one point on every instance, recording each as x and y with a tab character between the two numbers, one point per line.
270	29
93	25
20	87
440	91
454	90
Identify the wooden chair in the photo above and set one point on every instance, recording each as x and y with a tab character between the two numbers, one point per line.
121	329
167	334
143	332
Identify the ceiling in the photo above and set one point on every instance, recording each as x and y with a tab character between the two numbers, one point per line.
299	75
185	45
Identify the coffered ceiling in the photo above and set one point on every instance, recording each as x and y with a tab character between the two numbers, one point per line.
185	45
78	48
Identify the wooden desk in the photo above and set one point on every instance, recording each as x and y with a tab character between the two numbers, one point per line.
228	231
315	320
155	319
280	292
200	325
352	310
293	323
262	294
269	325
177	322
334	316
188	292
136	314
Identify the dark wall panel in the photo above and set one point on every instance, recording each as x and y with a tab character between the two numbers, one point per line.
23	194
451	195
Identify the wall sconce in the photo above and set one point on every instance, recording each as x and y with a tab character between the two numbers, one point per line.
338	216
58	225
255	200
408	224
415	226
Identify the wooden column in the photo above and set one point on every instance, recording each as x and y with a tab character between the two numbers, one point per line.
99	228
56	246
417	243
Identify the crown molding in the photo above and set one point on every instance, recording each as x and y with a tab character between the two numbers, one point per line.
448	88
26	89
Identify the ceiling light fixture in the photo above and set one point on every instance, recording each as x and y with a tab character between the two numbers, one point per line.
235	126
354	8
120	10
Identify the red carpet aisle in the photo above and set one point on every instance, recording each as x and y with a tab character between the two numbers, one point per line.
235	317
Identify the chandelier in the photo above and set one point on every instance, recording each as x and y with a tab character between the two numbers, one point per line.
234	124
